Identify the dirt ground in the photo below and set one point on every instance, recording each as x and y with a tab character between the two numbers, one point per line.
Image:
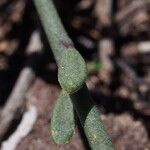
123	129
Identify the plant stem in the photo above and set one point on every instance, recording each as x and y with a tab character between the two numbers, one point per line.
72	71
72	75
54	30
90	120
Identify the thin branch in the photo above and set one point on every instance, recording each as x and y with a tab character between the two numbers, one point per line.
16	99
130	72
18	94
124	15
103	10
26	125
72	75
106	50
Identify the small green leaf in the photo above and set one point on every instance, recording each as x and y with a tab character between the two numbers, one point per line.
63	120
72	71
93	66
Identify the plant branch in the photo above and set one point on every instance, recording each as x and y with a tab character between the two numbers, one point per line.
72	71
72	75
16	99
90	120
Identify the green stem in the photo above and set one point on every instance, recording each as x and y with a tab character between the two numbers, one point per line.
57	36
72	75
90	120
72	71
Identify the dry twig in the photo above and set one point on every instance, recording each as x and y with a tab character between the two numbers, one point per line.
23	129
15	100
17	96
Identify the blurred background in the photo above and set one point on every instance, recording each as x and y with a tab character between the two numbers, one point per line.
113	36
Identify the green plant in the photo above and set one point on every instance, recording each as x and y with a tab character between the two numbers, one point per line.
63	120
72	74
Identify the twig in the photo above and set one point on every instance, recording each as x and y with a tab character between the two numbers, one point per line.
130	73
144	47
17	96
16	99
134	18
105	52
135	82
103	10
105	46
124	15
26	125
